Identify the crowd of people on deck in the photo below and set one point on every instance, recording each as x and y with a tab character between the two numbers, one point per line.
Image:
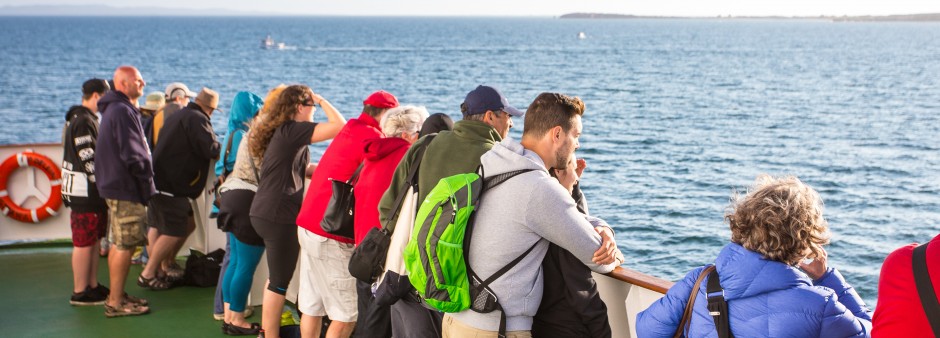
132	172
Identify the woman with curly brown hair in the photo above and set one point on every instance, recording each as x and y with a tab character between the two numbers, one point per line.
281	136
777	230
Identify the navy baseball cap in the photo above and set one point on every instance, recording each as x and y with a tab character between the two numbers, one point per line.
485	98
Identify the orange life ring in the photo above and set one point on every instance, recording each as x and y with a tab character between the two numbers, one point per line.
41	162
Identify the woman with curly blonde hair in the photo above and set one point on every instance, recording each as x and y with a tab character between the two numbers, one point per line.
773	274
280	137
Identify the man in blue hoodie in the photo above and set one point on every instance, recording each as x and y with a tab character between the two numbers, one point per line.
125	180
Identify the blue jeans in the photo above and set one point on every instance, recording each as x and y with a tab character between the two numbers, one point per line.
219	307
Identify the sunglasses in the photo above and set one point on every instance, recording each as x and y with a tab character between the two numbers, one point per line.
307	104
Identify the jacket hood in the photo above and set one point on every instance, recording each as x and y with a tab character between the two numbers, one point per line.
245	106
476	131
75	110
744	273
378	148
113	97
509	155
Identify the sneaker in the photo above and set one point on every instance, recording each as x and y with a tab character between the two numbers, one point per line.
218	316
101	290
87	298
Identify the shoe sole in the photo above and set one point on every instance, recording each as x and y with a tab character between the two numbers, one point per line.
125	314
78	303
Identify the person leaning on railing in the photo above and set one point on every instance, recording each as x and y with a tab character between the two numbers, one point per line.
906	307
774	228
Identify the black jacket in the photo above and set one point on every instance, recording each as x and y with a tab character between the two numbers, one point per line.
78	161
571	305
181	158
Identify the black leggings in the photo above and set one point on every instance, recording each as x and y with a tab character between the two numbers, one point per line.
280	241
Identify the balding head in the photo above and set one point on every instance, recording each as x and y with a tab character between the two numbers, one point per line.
128	81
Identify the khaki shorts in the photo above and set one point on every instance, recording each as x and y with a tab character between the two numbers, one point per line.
455	329
326	287
127	221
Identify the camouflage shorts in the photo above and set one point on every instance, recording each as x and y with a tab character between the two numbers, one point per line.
128	227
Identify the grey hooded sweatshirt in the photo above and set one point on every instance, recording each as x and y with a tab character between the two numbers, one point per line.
529	208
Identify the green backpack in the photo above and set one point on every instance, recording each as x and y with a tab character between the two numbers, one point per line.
436	255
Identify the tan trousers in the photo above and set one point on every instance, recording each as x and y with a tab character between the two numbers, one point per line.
455	329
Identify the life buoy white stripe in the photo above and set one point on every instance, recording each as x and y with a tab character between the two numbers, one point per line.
21	159
55	183
6	211
51	212
33	214
4	193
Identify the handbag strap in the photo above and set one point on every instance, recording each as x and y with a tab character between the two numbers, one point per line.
718	306
687	313
928	296
409	181
228	149
355	176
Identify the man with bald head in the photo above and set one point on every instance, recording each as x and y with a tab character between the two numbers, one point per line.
124	175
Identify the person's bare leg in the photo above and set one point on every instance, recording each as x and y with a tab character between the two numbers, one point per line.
93	272
119	262
340	329
310	326
190	227
272	305
161	249
152	236
238	319
82	258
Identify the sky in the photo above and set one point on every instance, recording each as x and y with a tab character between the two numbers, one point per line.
706	8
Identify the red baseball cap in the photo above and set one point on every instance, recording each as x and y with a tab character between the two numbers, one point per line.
381	99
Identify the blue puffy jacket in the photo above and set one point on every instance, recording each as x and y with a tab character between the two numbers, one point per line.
765	299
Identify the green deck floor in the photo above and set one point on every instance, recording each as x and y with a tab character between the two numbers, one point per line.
36	283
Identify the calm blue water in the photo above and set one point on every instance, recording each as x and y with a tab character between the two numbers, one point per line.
679	112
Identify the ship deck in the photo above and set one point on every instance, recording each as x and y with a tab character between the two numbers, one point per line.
36	282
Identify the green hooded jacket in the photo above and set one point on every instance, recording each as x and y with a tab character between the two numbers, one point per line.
449	153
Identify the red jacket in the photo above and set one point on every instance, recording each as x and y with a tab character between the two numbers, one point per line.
899	312
339	162
381	159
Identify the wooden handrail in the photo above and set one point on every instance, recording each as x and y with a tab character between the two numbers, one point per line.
640	279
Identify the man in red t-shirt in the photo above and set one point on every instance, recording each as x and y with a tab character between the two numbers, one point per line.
326	287
899	312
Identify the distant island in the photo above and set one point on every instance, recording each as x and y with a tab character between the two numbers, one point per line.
105	10
930	17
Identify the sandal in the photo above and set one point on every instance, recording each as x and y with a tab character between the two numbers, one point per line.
135	300
155	283
126	309
174	271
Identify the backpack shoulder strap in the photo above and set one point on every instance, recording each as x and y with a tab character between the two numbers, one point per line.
410	180
717	306
928	296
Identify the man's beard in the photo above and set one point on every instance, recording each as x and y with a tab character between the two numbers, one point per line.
562	156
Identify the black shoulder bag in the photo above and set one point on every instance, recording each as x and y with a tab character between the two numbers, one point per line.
368	259
338	218
928	296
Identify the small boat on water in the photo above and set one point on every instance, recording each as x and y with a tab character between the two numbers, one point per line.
624	291
582	36
269	43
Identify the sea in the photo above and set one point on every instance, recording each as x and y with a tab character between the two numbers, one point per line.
680	114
